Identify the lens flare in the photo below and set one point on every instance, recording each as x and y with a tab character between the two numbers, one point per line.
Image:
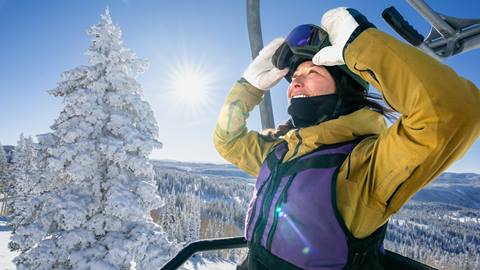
189	86
302	237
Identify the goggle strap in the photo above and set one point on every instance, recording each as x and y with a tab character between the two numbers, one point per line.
281	57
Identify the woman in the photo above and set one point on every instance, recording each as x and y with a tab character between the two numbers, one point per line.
326	188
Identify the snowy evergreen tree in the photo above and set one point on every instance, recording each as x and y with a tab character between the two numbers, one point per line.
25	177
193	219
25	222
4	181
25	166
3	168
94	211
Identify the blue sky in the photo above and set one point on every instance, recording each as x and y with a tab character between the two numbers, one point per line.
42	39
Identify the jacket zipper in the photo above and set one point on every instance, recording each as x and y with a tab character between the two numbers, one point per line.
270	193
273	184
263	217
254	210
282	199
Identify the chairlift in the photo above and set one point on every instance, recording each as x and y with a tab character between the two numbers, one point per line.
448	36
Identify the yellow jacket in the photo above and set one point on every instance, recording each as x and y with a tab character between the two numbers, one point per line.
440	120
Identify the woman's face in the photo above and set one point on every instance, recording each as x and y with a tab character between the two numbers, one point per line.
310	80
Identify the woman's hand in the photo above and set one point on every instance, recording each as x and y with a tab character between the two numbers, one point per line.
261	73
343	25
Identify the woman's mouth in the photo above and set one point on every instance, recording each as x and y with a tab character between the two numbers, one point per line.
299	96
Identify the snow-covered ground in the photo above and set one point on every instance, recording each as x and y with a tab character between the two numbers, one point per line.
206	264
402	222
464	219
5	255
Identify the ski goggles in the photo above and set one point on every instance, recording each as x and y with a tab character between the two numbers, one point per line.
307	35
303	42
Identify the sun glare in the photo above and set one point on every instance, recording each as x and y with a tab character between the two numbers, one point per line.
190	86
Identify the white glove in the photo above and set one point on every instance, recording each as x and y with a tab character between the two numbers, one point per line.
343	25
261	73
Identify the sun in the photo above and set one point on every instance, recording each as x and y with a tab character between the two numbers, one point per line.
190	85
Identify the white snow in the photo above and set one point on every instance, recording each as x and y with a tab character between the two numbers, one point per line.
465	219
238	199
402	222
196	263
199	263
6	256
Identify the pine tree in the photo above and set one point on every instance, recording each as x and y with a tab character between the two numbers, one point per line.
25	175
95	213
4	181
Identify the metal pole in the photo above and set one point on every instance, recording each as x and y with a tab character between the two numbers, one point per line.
204	245
256	44
469	40
433	17
471	44
3	204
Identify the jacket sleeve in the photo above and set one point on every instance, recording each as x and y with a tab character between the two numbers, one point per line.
245	149
440	116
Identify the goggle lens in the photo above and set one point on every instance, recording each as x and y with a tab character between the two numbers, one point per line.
306	35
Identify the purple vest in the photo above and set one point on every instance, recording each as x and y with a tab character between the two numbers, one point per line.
293	211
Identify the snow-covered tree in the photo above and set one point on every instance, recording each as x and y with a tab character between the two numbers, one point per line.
25	177
25	169
3	168
4	181
96	213
194	220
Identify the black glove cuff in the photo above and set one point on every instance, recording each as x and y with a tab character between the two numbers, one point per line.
243	81
363	24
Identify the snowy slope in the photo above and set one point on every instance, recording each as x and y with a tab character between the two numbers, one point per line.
194	264
206	264
5	255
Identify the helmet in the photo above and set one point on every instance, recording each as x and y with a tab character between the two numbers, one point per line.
303	42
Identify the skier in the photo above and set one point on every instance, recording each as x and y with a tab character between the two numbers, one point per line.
329	179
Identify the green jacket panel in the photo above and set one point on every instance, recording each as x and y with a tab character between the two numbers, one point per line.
246	149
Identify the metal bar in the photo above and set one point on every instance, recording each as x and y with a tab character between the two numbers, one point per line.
203	245
396	261
4	204
471	44
433	18
256	44
426	49
473	31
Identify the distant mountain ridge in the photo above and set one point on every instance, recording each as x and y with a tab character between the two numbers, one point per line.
458	179
204	169
458	189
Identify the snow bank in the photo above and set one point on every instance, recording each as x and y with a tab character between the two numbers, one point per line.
6	256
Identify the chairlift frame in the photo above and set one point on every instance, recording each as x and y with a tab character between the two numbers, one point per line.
448	36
